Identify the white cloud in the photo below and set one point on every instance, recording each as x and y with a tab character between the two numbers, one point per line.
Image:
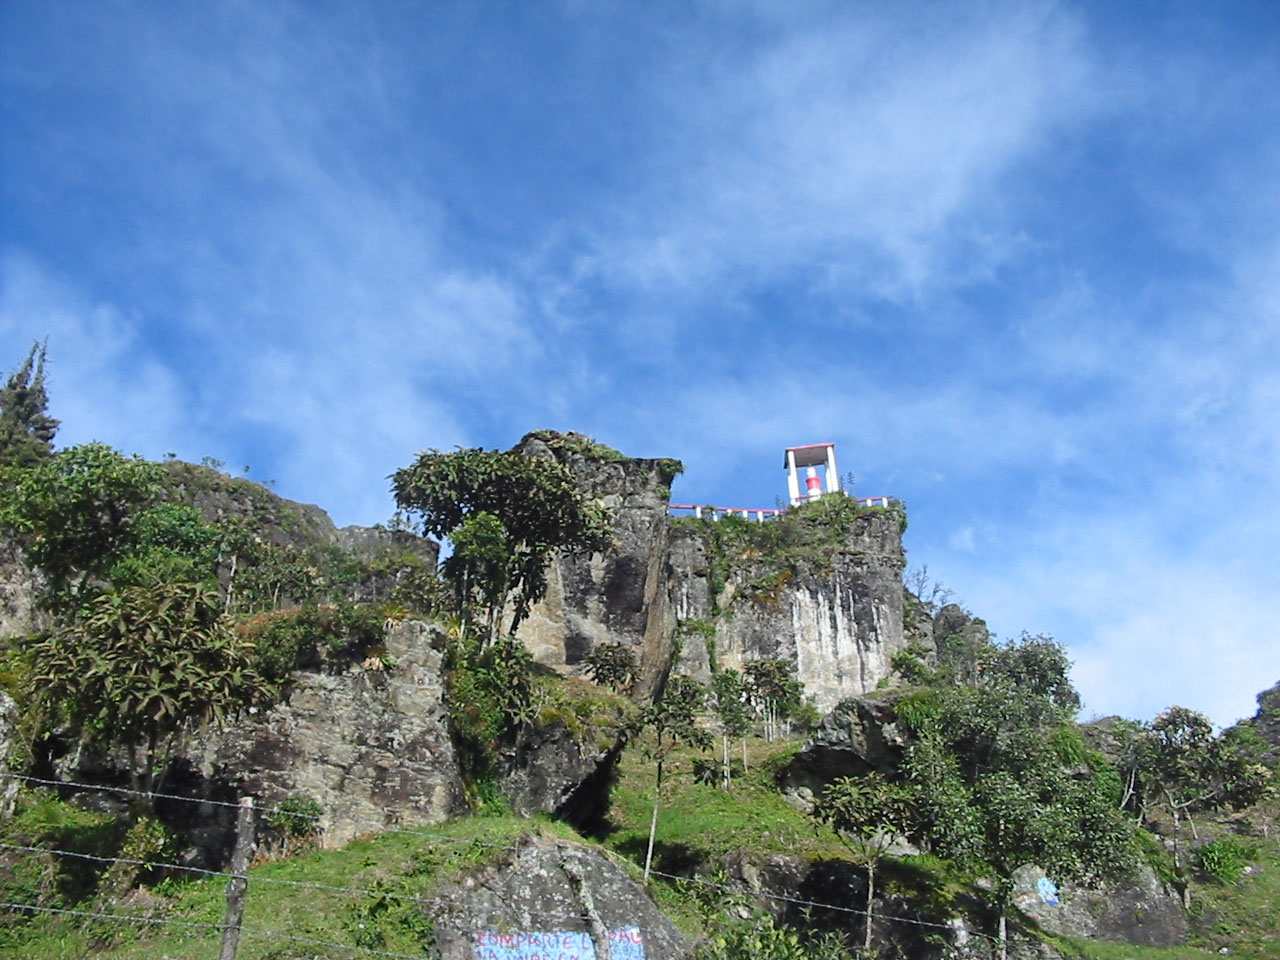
870	147
104	383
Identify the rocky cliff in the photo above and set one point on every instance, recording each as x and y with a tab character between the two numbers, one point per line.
820	588
371	742
622	596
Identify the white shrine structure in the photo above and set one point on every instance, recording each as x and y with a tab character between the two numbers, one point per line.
811	457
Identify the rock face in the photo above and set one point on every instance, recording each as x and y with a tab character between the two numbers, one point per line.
618	597
545	885
19	589
836	612
8	740
1138	911
859	736
371	744
836	615
553	772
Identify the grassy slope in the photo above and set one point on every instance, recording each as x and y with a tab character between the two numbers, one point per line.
288	898
698	824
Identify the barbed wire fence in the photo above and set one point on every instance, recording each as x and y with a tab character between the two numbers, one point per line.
238	881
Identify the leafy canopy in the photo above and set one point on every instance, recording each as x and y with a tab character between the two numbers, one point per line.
75	510
997	777
142	662
505	514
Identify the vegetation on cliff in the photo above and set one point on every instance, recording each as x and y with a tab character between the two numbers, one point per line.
504	514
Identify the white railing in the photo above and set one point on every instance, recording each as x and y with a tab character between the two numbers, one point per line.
754	513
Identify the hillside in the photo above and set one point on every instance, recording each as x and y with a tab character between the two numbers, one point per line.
425	788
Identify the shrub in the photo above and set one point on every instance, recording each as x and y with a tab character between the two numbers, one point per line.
295	817
1224	858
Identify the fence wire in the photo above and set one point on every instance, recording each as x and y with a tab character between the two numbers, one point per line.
421	833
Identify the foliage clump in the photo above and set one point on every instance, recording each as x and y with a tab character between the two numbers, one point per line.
612	665
139	665
576	444
506	514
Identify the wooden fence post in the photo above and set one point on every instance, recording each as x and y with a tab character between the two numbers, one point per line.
239	880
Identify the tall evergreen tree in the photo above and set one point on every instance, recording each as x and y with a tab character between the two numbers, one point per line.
26	430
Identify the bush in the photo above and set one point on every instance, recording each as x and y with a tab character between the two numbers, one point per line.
759	937
286	640
1224	859
295	817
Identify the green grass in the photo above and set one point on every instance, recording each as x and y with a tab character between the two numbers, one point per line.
699	823
1243	916
390	866
1074	948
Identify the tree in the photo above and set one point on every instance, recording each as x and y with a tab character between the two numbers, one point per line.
75	512
505	514
26	430
771	685
142	663
730	701
999	776
1185	769
612	665
869	814
671	720
1035	665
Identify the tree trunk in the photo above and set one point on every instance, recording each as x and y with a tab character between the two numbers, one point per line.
653	823
871	892
1002	933
231	585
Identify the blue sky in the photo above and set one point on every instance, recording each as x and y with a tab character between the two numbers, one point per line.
1019	261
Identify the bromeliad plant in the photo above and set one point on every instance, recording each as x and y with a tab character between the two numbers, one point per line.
138	666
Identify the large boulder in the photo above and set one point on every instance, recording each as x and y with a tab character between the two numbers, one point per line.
556	772
371	742
550	897
1138	910
859	736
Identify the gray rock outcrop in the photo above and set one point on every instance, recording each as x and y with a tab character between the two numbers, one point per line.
835	614
371	743
544	885
20	588
8	741
1139	910
858	737
616	597
551	771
